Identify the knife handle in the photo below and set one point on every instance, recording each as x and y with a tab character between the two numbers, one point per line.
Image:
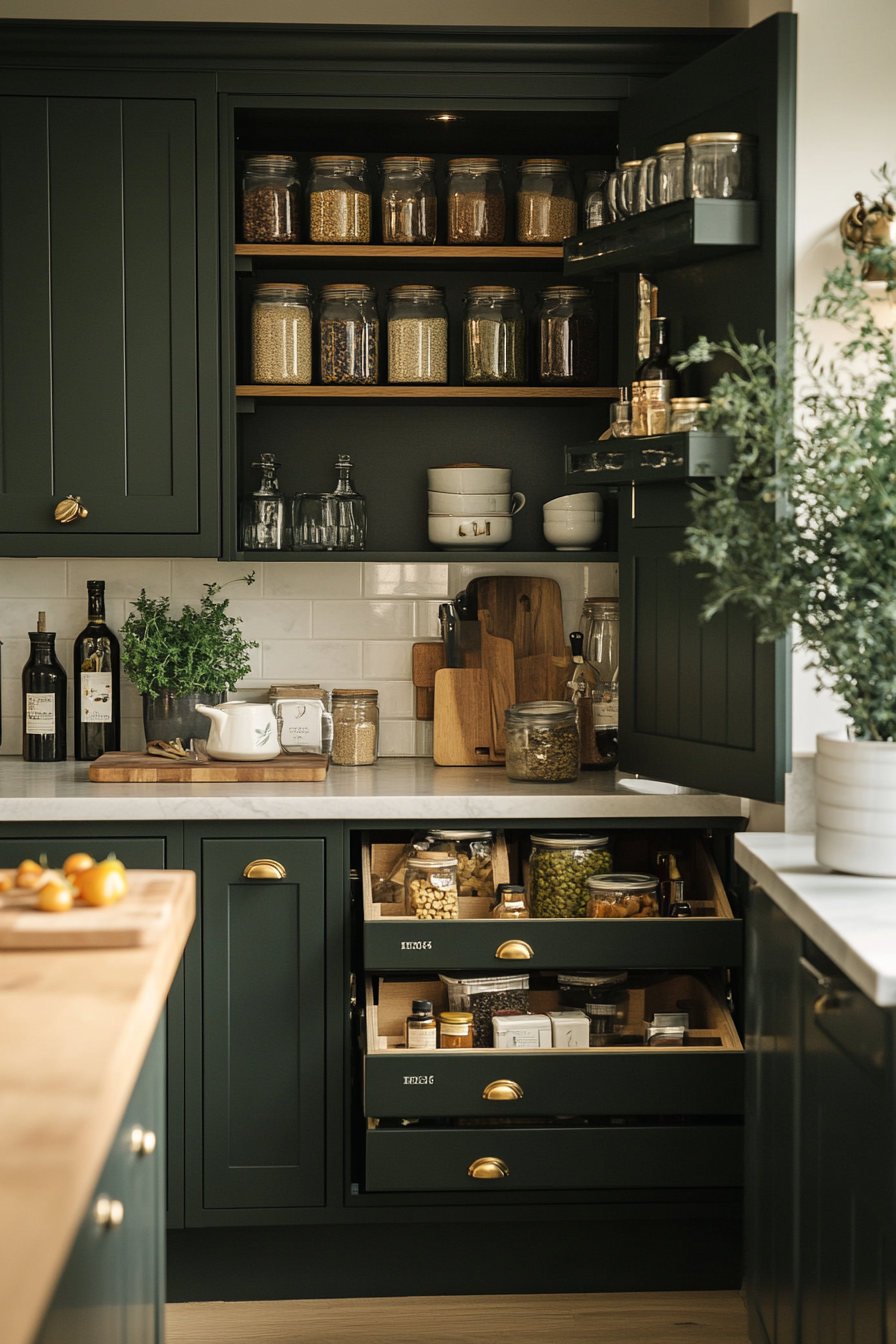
576	643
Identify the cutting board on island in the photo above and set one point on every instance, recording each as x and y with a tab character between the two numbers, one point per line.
137	920
138	767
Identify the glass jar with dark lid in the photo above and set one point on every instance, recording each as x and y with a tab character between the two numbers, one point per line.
338	199
720	165
476	206
409	203
418	334
669	173
546	210
494	335
567	337
559	866
271	199
349	334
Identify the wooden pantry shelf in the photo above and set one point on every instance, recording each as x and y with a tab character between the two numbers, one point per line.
428	392
436	256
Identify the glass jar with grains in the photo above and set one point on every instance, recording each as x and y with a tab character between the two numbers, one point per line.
567	337
559	868
546	210
418	334
338	200
494	335
272	199
356	723
542	741
281	334
409	201
349	334
430	886
476	205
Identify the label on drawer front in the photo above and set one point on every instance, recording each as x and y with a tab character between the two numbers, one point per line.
96	697
420	946
419	1079
40	714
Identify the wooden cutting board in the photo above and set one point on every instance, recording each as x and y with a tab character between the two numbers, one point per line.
497	661
137	920
462	730
137	767
527	611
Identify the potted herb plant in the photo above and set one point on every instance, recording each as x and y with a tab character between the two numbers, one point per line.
179	663
802	531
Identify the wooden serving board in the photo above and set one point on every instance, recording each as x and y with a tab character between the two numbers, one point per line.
138	767
137	920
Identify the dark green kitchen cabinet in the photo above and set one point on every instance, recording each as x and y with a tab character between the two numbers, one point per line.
108	325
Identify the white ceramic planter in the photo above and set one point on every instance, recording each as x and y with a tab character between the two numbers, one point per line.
856	805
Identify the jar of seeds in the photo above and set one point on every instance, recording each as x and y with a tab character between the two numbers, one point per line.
409	200
338	200
430	886
476	206
559	867
356	723
542	741
546	210
566	346
349	334
418	334
272	199
281	334
494	335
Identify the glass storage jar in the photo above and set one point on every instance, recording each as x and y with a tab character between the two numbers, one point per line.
511	902
627	191
430	886
542	741
455	1031
595	210
409	202
476	206
669	173
474	851
559	866
272	199
686	413
720	165
613	194
546	210
349	334
485	995
494	335
623	896
566	337
338	199
602	996
418	334
645	186
281	334
356	723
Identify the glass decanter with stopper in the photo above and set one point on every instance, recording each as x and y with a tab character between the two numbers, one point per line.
263	524
349	510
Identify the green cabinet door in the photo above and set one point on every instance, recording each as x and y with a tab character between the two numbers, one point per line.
263	1026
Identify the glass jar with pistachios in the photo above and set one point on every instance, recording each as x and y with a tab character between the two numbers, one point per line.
559	867
430	886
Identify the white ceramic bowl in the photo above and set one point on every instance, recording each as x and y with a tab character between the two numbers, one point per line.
587	503
558	516
442	502
573	533
465	532
470	479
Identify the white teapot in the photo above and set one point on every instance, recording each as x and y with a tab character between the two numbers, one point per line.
241	732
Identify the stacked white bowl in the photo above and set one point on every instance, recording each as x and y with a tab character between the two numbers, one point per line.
471	506
574	522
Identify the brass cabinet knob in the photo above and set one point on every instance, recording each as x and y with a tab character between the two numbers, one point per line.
264	868
502	1090
108	1212
68	510
514	950
143	1141
488	1169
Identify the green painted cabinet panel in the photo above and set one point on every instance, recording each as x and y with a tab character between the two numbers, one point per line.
139	852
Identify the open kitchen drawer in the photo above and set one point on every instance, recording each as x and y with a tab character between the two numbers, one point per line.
711	937
703	1077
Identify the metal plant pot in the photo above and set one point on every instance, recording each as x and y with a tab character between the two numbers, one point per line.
167	716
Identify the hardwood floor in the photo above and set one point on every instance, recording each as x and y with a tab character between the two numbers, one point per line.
582	1318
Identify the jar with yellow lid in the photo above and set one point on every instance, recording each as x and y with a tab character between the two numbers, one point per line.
455	1031
686	413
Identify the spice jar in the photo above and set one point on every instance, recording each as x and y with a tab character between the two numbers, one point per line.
512	903
281	334
338	200
430	886
418	334
349	334
567	337
542	741
686	413
669	173
455	1031
355	727
559	866
546	209
720	165
622	896
595	210
494	335
409	202
420	1026
271	199
476	206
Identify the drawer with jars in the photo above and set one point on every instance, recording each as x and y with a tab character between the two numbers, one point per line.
480	899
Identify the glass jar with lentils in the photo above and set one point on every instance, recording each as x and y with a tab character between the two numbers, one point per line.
272	199
338	200
349	334
567	337
409	200
476	205
494	335
281	334
418	334
356	726
546	210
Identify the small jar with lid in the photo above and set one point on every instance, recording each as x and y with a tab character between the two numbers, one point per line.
474	851
627	191
669	173
602	996
338	199
356	725
595	210
476	205
542	741
645	185
349	334
409	202
430	886
686	412
281	334
272	199
511	902
559	866
546	209
418	334
494	336
622	896
566	345
455	1031
720	165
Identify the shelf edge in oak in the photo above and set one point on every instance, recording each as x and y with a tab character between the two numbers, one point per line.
428	391
382	251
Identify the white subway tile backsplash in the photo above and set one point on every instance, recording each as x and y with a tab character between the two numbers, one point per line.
267	619
602	580
313	578
382	658
45	579
397	737
422	580
366	619
123	578
396	699
188	578
288	659
428	620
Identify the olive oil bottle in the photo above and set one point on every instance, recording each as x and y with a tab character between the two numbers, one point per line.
43	698
97	660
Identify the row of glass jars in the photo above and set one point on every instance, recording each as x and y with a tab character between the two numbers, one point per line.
417	335
339	200
720	165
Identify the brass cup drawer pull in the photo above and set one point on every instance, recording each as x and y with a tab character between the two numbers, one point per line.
108	1212
831	999
143	1141
504	1089
69	510
488	1169
514	950
268	869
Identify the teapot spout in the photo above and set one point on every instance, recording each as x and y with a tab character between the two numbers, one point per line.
212	712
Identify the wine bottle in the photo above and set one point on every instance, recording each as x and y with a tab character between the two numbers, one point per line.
97	676
43	698
654	385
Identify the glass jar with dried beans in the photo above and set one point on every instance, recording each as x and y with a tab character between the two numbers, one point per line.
418	334
494	336
349	334
542	741
338	200
272	199
567	337
476	205
356	723
281	334
559	867
409	201
546	210
430	886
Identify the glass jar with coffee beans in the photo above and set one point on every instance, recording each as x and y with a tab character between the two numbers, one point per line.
409	201
272	199
349	334
542	741
559	867
476	205
338	200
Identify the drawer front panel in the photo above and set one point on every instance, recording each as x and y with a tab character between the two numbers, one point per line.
631	1157
139	852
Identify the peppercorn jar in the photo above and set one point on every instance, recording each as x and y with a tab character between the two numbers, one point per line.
281	334
546	210
476	205
418	334
272	199
430	886
494	336
720	165
595	207
566	342
542	741
409	202
356	725
349	334
338	200
669	173
559	867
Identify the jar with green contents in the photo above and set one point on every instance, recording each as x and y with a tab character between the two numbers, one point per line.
559	867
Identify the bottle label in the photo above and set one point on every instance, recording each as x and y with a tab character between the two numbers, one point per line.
421	1038
606	709
96	697
40	715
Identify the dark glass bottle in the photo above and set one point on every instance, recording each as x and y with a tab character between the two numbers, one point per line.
43	698
654	385
97	660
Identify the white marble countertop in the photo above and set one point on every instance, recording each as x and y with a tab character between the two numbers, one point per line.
395	789
852	919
